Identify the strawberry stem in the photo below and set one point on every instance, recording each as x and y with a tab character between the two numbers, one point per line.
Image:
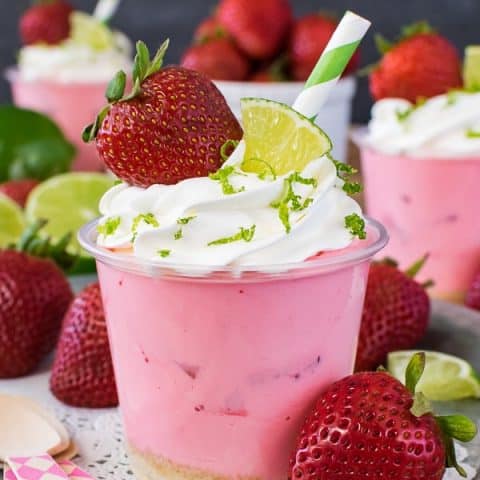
143	68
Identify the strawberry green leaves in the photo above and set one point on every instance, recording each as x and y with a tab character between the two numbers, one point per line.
143	68
38	245
116	87
458	427
414	372
384	46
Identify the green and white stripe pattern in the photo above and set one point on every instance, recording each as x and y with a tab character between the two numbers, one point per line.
105	10
345	40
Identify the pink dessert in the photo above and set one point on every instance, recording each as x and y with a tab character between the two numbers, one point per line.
215	374
233	296
428	205
70	105
66	77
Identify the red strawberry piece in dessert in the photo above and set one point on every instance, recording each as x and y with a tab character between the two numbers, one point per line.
369	426
260	27
82	374
219	59
421	65
48	21
34	295
171	127
209	29
395	314
18	190
472	299
310	35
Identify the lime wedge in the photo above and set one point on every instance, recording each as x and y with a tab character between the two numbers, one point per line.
471	72
67	201
12	222
279	138
87	30
445	378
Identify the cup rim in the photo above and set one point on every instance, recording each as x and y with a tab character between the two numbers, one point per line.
88	233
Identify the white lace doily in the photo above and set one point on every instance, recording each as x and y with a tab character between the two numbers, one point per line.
98	434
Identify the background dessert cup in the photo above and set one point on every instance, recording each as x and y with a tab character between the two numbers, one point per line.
215	373
428	205
71	105
334	117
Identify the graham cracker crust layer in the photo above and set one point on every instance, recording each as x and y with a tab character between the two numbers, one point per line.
152	467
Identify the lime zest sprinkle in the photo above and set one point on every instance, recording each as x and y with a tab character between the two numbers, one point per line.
148	218
185	220
182	221
224	149
263	175
245	234
356	226
109	227
343	172
117	182
289	196
452	97
351	188
164	253
403	115
471	133
222	176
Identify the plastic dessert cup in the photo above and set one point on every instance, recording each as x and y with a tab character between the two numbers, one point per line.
216	372
428	205
334	117
71	105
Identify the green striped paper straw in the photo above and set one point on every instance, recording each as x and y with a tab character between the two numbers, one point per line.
105	10
330	66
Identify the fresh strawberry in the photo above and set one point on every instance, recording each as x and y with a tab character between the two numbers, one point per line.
421	65
309	37
171	127
259	27
395	314
34	295
473	295
219	59
369	426
18	190
48	21
209	29
272	72
82	374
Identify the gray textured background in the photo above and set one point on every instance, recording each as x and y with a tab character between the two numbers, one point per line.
153	20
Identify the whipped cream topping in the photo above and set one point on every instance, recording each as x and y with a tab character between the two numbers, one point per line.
443	126
71	62
196	223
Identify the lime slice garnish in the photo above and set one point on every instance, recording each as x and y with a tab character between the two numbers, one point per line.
87	30
280	137
471	72
12	221
446	377
67	201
